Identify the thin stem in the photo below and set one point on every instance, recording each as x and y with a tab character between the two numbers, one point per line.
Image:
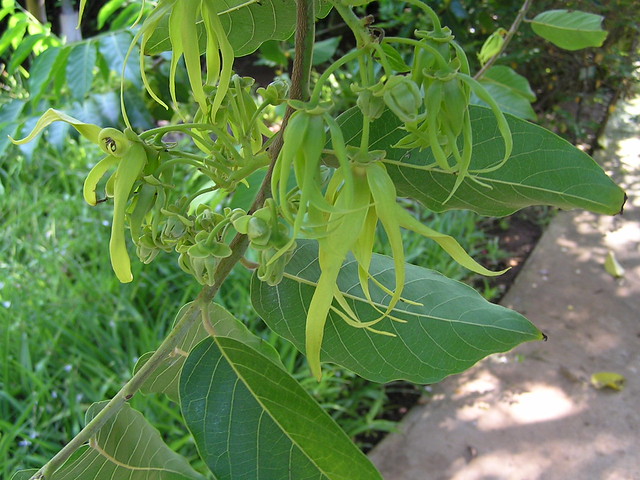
356	25
510	34
364	140
317	90
183	127
435	20
418	44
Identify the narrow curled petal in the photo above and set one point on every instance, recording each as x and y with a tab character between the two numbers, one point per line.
503	126
448	243
94	176
87	130
383	192
214	27
332	252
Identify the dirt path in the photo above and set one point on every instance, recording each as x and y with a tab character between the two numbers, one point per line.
532	414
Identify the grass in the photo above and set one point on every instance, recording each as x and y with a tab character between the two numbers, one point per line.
71	333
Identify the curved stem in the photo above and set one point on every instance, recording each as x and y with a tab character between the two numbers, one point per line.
317	90
512	31
183	127
418	44
433	16
354	23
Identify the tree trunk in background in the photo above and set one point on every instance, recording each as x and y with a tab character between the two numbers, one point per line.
69	22
36	8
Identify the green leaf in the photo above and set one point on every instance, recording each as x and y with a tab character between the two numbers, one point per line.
612	266
24	474
252	421
272	53
9	113
325	49
322	8
165	379
510	79
127	446
570	29
23	51
247	27
395	59
113	47
42	71
611	380
542	170
107	10
511	92
126	17
14	33
449	331
80	63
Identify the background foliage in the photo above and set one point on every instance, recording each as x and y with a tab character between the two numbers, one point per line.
71	332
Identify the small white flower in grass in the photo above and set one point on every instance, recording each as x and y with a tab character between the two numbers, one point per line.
6	303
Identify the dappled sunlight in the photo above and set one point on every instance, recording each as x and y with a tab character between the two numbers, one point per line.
541	403
495	409
500	465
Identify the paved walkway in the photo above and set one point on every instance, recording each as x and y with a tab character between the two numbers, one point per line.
532	414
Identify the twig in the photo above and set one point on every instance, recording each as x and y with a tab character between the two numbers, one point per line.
512	31
299	91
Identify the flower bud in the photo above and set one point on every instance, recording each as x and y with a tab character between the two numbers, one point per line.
492	46
402	96
259	232
276	92
370	105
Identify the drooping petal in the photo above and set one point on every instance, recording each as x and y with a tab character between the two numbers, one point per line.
128	171
87	130
94	176
448	243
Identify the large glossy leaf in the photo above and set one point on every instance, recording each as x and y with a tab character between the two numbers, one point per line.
127	446
247	24
80	64
570	29
543	169
252	421
165	379
450	330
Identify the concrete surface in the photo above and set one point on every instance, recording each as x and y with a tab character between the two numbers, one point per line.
532	414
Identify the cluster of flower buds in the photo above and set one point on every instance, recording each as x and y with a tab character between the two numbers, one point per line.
270	237
198	237
432	101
